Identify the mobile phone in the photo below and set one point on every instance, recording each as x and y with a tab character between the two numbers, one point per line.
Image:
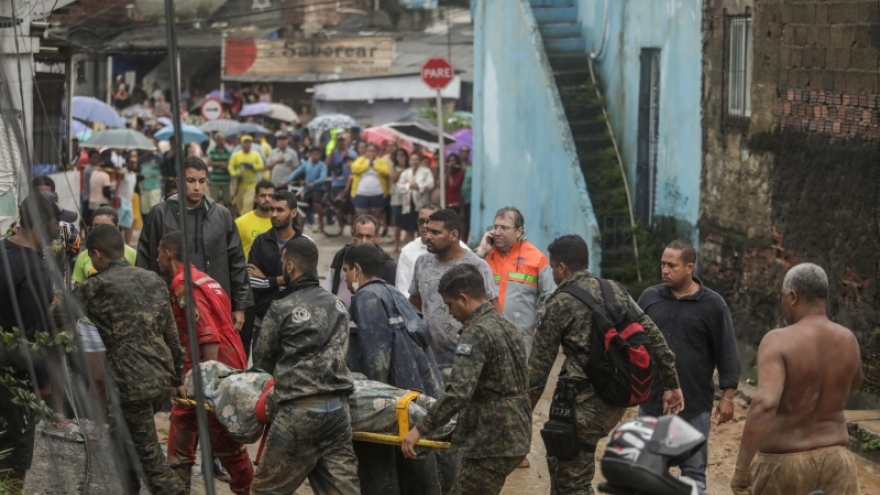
491	239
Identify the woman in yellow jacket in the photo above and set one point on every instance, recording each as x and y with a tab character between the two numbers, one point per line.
369	183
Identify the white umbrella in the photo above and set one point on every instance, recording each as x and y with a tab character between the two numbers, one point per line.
283	113
128	139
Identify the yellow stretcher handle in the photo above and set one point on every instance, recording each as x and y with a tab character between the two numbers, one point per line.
402	410
191	403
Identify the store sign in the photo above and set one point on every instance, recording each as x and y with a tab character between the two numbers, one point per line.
272	57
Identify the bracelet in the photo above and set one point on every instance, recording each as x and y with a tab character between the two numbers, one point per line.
728	400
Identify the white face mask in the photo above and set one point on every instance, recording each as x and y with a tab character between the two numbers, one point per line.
355	285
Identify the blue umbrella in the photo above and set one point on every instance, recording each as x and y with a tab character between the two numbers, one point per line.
94	110
191	134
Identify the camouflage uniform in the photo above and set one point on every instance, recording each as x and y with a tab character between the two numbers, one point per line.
131	310
567	321
488	386
302	344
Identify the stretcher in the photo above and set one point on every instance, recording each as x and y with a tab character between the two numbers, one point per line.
403	425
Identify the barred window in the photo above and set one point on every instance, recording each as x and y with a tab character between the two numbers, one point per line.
739	66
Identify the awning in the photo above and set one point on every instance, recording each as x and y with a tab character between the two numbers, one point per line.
385	88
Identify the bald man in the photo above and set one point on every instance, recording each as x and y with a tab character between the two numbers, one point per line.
795	424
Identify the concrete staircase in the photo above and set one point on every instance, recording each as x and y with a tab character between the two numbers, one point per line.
565	47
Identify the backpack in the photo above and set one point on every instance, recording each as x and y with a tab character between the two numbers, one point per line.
620	366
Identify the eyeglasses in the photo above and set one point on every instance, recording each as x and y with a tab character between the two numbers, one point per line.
503	228
423	221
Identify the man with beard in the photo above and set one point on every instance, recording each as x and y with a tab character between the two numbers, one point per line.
303	346
365	230
264	261
444	252
217	341
411	252
258	220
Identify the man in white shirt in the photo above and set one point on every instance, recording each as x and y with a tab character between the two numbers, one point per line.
410	253
127	178
283	160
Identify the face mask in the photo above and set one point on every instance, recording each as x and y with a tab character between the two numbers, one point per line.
356	284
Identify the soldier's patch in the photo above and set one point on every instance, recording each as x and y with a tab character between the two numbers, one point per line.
464	350
341	307
301	315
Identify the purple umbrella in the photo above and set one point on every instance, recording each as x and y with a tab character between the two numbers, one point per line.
260	108
463	137
216	94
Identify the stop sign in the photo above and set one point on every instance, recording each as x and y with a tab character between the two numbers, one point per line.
437	73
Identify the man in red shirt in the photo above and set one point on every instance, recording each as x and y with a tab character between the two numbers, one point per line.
218	341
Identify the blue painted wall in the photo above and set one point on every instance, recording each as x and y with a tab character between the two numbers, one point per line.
524	153
673	26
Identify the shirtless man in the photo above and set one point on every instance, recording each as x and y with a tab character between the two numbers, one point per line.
795	424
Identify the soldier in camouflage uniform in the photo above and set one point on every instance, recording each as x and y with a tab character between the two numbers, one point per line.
568	322
131	310
303	344
488	386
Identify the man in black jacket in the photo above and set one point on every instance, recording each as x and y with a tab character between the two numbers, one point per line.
364	231
215	244
264	261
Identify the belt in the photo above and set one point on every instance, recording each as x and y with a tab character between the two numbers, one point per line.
319	403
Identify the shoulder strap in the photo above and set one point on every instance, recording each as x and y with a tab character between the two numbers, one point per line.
608	295
585	297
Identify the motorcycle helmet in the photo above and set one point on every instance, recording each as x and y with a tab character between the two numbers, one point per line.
641	451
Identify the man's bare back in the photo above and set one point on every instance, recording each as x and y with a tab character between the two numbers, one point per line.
821	363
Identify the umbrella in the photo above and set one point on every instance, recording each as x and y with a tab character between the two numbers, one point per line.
282	112
324	123
463	137
226	98
129	139
138	111
80	131
94	110
464	119
420	133
221	125
247	129
381	135
166	121
260	108
191	134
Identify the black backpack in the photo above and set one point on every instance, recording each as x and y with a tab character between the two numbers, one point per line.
620	366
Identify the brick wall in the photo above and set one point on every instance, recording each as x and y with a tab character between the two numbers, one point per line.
840	114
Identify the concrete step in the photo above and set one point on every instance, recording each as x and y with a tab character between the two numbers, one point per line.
567	61
586	127
553	3
568	78
547	15
588	144
566	45
561	30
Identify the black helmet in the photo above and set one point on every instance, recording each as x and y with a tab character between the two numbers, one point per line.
640	452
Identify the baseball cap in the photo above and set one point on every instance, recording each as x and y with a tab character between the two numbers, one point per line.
60	213
246	137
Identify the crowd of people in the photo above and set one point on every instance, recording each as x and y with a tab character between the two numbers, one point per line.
479	330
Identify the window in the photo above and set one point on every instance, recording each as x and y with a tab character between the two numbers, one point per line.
649	105
738	67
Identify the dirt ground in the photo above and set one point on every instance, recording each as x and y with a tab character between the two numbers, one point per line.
63	472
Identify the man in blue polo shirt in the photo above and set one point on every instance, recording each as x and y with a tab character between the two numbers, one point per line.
314	172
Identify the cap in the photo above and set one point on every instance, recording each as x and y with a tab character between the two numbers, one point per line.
60	213
246	137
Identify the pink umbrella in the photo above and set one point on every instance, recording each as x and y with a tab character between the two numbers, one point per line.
381	135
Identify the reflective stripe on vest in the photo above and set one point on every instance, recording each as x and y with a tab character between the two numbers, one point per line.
522	277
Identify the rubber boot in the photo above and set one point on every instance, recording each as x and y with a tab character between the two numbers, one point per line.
184	471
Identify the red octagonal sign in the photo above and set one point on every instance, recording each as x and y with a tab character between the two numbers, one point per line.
437	73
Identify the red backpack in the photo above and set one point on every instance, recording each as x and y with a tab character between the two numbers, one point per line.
619	366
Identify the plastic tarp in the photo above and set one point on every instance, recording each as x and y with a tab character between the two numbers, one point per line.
234	394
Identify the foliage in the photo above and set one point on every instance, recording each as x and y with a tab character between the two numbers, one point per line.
43	343
452	121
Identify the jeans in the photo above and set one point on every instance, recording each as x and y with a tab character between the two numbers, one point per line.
695	467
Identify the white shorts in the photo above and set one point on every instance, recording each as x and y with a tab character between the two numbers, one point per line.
89	335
